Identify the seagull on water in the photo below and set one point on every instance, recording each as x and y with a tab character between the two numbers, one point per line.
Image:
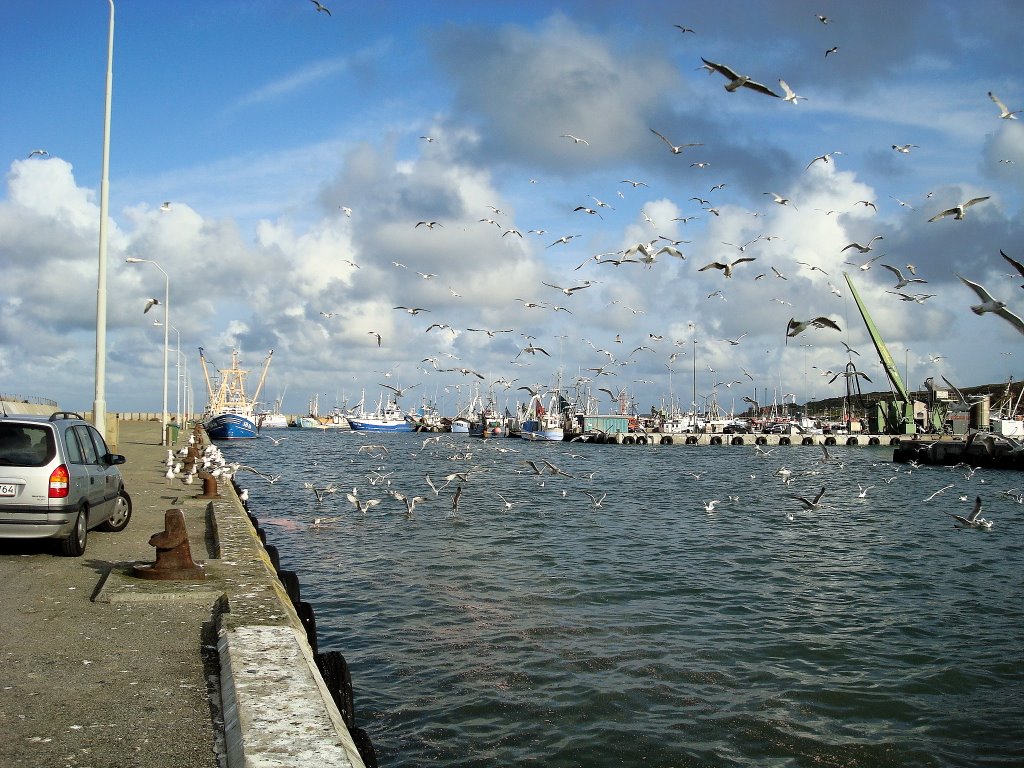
974	519
737	81
709	506
989	304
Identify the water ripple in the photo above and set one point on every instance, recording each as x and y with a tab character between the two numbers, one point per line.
868	633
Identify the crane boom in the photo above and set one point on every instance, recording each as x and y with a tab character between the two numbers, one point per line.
883	352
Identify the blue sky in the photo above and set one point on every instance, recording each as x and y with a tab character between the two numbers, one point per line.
261	123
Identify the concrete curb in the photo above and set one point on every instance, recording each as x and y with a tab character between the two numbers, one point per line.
277	710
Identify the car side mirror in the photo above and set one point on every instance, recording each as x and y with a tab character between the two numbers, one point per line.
114	459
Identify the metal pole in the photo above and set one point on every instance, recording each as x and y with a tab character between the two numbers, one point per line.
99	403
167	331
695	379
177	378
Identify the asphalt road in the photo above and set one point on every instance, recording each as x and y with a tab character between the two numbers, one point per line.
123	685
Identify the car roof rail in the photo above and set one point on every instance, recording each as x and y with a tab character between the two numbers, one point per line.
65	415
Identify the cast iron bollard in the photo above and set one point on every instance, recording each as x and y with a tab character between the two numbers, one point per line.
173	554
209	486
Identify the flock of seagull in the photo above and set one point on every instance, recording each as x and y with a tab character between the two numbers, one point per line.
499	477
649	252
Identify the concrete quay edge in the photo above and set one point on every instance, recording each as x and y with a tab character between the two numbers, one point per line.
277	710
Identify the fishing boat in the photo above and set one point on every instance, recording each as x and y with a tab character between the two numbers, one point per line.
460	425
486	420
312	419
426	419
540	422
388	417
230	413
272	419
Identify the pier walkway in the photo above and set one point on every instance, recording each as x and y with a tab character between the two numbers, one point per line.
103	669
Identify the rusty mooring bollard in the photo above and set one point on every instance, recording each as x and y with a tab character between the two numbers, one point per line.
209	485
173	554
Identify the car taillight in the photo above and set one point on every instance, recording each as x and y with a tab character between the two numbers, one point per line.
59	483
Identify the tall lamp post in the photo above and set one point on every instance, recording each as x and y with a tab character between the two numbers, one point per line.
177	374
167	328
695	381
99	403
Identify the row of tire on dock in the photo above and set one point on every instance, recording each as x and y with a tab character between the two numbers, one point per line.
652	439
331	664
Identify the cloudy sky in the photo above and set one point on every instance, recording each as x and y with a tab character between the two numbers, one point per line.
290	145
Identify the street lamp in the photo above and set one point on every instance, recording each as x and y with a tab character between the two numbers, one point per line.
177	374
167	327
99	403
695	379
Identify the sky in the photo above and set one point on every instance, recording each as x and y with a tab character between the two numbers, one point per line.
298	153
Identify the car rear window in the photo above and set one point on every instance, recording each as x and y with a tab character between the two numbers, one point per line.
26	445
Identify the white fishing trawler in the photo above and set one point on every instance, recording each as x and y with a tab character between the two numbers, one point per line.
540	422
387	417
230	413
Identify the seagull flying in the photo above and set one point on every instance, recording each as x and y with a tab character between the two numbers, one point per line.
903	281
726	267
790	96
1013	262
989	304
812	504
796	327
677	149
862	248
974	519
957	211
737	81
1004	113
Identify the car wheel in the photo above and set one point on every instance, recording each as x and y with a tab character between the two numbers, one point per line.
121	515
74	544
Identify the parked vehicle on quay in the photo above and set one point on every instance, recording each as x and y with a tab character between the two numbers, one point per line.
59	480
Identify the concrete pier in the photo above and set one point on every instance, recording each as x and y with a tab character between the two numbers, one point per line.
105	669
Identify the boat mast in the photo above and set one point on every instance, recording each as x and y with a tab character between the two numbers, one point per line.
263	376
206	375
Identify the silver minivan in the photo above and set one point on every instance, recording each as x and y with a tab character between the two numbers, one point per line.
58	479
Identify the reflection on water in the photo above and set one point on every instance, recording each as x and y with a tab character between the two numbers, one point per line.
648	631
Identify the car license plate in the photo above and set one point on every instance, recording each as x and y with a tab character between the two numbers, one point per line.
8	489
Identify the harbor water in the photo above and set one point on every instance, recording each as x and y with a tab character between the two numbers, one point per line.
532	626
